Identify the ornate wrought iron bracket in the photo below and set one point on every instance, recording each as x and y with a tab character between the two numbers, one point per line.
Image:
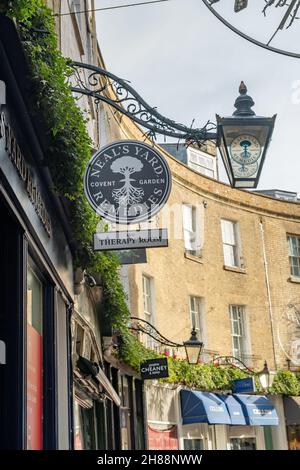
143	326
104	86
232	361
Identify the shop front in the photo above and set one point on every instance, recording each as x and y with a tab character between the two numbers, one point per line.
292	417
162	416
91	388
36	288
187	419
225	422
126	422
181	418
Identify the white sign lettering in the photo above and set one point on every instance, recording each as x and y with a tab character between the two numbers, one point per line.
125	240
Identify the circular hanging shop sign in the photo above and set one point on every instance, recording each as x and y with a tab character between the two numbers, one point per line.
127	182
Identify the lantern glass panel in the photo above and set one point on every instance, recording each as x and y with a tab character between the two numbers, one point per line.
243	172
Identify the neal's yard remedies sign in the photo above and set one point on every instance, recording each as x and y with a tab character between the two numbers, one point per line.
154	369
131	239
127	182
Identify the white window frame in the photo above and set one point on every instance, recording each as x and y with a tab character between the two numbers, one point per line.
195	431
148	306
202	162
243	437
191	230
196	314
192	439
238	331
294	259
231	243
237	432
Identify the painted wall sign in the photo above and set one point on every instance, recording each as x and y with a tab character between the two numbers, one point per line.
18	160
154	369
246	385
137	256
128	239
163	440
127	182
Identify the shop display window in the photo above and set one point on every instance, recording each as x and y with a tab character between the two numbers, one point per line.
243	443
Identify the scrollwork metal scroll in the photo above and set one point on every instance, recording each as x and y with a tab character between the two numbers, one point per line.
143	326
104	86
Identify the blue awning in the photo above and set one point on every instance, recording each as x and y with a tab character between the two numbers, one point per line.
203	407
235	409
258	410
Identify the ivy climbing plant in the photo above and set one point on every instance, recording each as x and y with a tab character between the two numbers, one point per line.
69	145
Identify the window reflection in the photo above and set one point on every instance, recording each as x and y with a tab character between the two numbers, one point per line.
34	360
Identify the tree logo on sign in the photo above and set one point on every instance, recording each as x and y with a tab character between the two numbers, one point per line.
127	194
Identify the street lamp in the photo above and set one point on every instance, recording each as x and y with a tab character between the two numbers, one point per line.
243	139
266	377
193	348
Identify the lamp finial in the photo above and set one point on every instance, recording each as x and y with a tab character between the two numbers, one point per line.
242	88
243	103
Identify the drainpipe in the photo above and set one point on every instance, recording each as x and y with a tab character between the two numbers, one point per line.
271	316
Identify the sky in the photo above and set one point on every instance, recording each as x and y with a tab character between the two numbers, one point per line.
184	61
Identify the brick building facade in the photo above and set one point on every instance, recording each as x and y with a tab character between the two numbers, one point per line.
259	279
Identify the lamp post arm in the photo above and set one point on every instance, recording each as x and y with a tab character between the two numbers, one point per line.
232	360
144	326
104	86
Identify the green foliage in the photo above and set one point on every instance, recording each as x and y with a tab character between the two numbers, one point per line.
67	154
69	145
132	351
206	377
21	10
286	383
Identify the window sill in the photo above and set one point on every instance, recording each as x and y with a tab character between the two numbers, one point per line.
294	279
234	269
196	258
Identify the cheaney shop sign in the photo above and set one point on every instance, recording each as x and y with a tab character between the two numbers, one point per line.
154	369
18	160
127	182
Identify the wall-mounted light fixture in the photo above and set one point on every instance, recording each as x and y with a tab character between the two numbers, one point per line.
193	346
242	138
266	377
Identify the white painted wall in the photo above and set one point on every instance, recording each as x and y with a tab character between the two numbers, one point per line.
279	434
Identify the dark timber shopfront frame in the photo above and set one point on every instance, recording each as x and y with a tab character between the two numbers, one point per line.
26	208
